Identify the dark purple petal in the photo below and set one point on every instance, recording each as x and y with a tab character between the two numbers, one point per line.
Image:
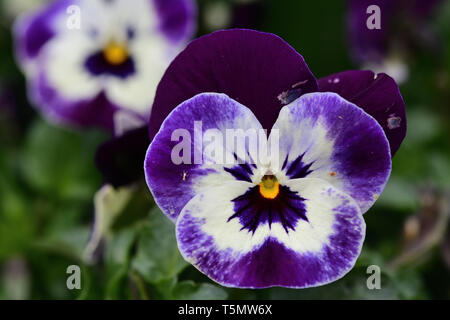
97	111
120	159
251	67
253	210
378	95
98	65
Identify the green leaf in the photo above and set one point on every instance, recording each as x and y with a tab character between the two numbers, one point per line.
188	290
69	243
157	255
117	260
423	127
399	194
115	282
119	247
16	222
60	163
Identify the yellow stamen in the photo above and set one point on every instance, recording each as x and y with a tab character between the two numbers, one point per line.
115	53
269	187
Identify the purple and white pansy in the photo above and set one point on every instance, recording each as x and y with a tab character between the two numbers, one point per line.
98	62
291	215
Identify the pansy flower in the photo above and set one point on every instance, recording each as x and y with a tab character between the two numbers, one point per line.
381	31
291	218
98	62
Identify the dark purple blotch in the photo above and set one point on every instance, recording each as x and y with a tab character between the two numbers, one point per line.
97	65
254	210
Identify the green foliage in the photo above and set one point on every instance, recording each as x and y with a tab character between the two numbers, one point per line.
188	290
16	224
59	163
157	257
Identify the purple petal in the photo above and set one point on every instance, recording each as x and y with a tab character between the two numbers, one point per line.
311	253
324	136
97	111
251	67
173	183
378	95
120	159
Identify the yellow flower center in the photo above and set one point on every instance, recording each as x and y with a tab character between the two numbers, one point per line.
269	187
115	53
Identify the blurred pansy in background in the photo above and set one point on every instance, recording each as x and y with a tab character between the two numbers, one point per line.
97	63
384	34
293	219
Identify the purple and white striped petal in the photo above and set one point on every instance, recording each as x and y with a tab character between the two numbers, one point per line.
324	136
311	252
175	176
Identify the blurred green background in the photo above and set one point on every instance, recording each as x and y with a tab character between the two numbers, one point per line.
48	180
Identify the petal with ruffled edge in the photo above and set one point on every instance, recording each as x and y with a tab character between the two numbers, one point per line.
173	185
313	253
376	94
324	136
251	67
